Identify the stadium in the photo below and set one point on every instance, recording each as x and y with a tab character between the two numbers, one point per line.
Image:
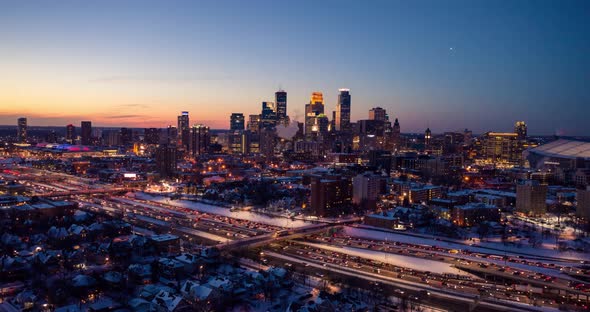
563	153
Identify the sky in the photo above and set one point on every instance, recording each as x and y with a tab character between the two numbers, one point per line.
447	65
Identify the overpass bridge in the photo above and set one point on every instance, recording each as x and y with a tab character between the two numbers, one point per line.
281	235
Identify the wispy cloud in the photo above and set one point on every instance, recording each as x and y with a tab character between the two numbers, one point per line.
125	116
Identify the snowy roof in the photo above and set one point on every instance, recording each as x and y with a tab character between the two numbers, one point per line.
200	292
476	206
163	237
564	149
167	300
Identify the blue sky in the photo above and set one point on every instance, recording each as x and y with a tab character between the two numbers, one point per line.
445	64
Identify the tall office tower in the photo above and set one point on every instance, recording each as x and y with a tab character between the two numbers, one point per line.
86	133
520	129
236	121
501	148
183	130
239	141
268	117
126	136
166	160
343	111
323	125
531	198
377	113
151	135
70	133
171	135
200	140
254	123
312	110
427	136
281	107
21	130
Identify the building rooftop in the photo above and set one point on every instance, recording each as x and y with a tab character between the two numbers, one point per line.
564	149
476	206
163	237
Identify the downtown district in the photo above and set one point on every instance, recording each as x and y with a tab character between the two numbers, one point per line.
274	214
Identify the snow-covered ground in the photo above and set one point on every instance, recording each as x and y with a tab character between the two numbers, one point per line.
397	260
222	211
501	249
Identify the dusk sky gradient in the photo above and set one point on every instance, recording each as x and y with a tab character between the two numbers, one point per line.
448	65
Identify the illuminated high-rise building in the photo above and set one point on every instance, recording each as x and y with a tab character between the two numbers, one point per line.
86	133
70	133
268	118
200	140
312	111
281	107
184	130
254	123
236	121
427	136
342	118
377	113
171	134
21	130
501	148
520	129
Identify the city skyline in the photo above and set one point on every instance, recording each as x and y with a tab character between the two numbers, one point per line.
138	66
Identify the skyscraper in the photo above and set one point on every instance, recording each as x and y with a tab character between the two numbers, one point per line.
377	113
254	123
184	130
236	121
171	135
166	160
21	131
520	129
343	111
501	148
70	133
312	111
281	107
86	133
268	118
200	140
